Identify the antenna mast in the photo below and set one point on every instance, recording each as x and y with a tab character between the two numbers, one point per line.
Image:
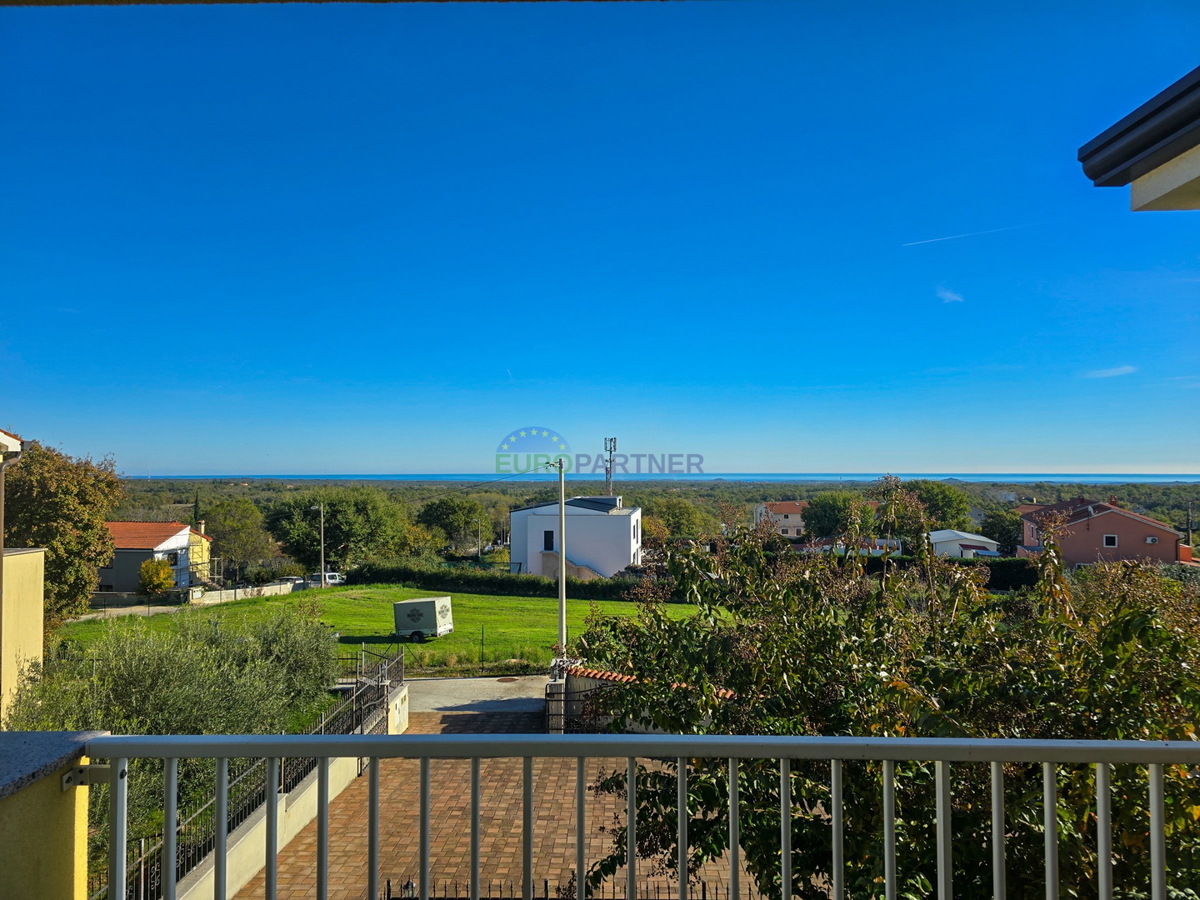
610	447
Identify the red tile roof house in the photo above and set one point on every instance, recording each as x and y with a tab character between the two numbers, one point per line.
1095	531
787	516
137	542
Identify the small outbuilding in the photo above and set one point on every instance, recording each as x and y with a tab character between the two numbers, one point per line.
963	544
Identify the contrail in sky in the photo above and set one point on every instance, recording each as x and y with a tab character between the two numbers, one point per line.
955	237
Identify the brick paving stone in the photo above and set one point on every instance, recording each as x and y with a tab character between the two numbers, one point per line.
450	825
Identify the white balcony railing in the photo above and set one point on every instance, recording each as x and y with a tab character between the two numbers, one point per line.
943	752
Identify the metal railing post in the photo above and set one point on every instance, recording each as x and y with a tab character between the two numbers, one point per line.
118	812
580	829
681	802
945	854
1158	844
170	856
1050	826
373	830
1104	886
839	860
785	828
271	863
735	837
424	876
889	829
631	828
221	830
999	887
475	828
527	830
323	828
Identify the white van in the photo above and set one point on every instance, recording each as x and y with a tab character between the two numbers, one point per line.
331	578
424	618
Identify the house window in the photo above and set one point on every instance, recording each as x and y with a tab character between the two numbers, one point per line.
548	540
783	530
785	515
106	588
173	559
1110	540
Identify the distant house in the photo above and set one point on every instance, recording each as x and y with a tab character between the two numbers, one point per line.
1093	531
136	542
603	537
962	544
786	516
199	555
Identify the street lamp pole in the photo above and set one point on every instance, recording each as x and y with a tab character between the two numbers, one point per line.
562	552
321	507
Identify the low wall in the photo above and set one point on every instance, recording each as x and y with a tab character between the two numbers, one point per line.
247	845
226	596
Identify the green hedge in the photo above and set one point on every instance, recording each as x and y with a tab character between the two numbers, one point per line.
1008	573
482	581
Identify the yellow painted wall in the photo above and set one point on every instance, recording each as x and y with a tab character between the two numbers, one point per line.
43	841
20	617
199	557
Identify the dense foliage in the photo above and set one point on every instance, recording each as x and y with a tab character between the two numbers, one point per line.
813	645
155	578
362	524
61	503
462	520
196	677
239	533
421	574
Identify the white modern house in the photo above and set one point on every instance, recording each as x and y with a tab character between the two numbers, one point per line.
603	537
963	544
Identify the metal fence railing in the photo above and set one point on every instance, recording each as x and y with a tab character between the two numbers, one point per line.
685	751
248	784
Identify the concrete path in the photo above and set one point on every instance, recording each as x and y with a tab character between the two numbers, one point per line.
524	694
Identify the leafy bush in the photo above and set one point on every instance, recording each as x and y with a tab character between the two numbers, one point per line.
155	578
1004	573
813	645
479	581
195	677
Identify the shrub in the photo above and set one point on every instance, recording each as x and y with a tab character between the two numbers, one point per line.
1004	573
480	581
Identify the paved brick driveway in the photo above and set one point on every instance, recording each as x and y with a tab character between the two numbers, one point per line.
450	828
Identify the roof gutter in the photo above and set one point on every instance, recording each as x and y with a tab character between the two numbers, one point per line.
1158	131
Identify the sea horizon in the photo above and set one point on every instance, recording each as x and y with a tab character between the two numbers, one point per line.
766	477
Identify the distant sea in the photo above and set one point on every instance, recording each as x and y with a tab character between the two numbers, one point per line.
997	477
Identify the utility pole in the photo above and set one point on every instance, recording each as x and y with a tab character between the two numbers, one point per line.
322	508
1189	524
610	447
562	552
479	542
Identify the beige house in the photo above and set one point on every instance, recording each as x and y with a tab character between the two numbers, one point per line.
786	516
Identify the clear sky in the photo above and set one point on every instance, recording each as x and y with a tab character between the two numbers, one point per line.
375	238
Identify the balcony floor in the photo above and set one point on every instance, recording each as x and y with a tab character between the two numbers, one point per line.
450	829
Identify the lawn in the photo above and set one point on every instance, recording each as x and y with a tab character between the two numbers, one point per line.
516	633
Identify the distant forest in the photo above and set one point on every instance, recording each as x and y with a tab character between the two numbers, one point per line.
166	499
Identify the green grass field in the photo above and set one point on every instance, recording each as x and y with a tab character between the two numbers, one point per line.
517	632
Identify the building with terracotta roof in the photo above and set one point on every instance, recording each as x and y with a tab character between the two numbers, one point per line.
1092	531
136	542
786	516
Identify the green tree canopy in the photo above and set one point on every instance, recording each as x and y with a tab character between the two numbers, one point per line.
1003	526
682	518
61	503
947	506
809	644
362	524
828	514
155	578
462	519
239	532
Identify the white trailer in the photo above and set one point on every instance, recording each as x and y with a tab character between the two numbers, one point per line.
424	618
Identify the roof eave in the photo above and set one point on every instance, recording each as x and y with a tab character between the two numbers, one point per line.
1158	131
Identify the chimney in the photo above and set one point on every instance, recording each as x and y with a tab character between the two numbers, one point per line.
200	526
1112	500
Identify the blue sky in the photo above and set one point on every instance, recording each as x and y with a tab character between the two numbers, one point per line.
373	238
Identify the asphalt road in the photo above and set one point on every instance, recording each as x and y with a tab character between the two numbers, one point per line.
526	693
